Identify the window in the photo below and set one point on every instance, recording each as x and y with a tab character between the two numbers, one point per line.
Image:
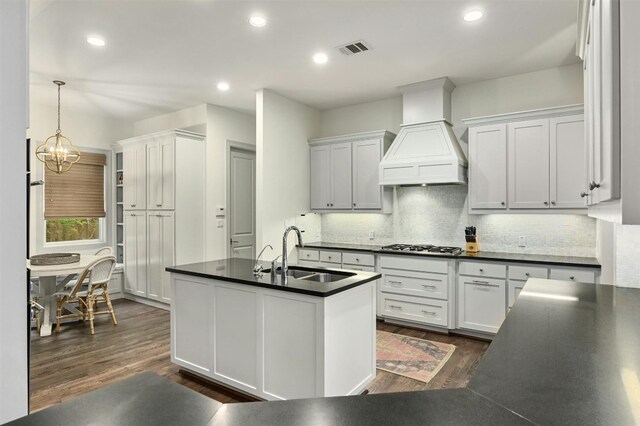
74	204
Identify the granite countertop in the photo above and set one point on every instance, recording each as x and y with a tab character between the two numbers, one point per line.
568	353
585	262
241	271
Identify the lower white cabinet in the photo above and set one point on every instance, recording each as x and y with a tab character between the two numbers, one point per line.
481	303
572	274
161	241
515	287
415	309
115	284
135	255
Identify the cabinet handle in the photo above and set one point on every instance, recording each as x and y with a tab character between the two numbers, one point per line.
329	257
328	204
572	278
395	307
354	204
133	205
133	214
593	185
331	204
479	282
485	283
429	286
429	312
158	205
583	194
395	283
553	203
481	270
357	259
546	203
503	203
526	273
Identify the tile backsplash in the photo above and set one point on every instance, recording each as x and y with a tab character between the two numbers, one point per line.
439	214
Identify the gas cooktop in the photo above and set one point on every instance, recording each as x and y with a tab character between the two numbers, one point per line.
424	249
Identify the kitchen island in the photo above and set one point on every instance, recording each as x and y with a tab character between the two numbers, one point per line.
271	338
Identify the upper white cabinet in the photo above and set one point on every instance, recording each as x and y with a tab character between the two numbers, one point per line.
488	167
161	173
344	172
527	160
528	147
135	174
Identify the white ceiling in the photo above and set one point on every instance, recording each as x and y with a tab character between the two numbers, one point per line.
163	55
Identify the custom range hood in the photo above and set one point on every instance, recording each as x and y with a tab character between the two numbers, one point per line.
425	152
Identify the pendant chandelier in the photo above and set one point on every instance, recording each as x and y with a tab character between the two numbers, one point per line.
57	152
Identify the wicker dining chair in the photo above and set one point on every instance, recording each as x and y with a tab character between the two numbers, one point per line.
99	273
104	251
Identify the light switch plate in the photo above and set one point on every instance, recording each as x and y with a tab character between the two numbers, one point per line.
220	223
522	241
220	212
372	234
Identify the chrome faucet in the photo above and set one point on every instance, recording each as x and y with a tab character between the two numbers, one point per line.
257	268
285	263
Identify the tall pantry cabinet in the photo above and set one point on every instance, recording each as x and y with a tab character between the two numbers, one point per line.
164	207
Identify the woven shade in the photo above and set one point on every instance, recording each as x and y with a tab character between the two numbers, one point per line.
78	193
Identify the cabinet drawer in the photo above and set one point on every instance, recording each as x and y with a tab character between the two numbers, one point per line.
409	263
415	283
479	269
515	287
569	274
425	311
305	254
358	259
308	263
358	268
330	257
523	272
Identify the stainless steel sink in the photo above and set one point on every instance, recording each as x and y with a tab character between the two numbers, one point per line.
316	275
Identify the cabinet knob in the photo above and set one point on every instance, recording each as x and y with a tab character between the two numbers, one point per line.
158	205
503	203
331	204
583	194
546	203
481	270
133	205
553	203
354	204
572	277
593	185
526	273
328	204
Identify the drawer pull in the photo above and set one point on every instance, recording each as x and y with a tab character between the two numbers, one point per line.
395	307
481	270
572	277
307	254
399	283
429	286
357	259
429	312
485	283
526	273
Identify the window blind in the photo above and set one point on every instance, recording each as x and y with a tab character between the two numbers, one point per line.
78	193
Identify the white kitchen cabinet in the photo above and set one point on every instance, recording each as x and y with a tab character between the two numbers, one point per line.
320	167
515	287
367	194
341	168
572	274
344	172
481	303
161	254
135	177
135	255
161	173
568	172
488	167
116	284
528	147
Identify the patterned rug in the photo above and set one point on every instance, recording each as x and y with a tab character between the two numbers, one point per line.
410	357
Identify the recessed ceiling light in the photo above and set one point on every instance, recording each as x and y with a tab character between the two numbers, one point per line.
258	21
223	86
96	41
474	15
320	58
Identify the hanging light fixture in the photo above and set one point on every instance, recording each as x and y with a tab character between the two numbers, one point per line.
57	152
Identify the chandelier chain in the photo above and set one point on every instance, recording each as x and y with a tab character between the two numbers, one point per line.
58	131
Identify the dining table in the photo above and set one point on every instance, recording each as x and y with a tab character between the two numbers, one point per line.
49	285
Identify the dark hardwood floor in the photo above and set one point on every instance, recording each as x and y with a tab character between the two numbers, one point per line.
73	362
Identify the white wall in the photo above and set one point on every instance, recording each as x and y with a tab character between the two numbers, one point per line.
282	154
385	114
13	276
220	125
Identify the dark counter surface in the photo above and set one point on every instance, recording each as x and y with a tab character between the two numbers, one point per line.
241	271
585	262
568	353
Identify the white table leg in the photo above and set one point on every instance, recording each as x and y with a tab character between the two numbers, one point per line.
47	288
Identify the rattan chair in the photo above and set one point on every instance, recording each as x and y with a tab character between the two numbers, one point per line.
99	273
104	251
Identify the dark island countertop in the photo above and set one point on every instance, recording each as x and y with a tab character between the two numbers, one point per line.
568	353
542	259
240	271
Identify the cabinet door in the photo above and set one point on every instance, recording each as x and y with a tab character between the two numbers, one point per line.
528	146
161	176
341	176
135	259
488	167
481	303
367	194
568	173
515	287
320	178
161	231
135	177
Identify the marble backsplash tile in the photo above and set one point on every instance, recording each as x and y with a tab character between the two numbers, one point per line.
439	214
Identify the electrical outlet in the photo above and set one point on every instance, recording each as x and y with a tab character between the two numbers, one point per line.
522	241
372	234
220	223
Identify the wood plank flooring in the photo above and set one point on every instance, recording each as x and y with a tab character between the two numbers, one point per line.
73	362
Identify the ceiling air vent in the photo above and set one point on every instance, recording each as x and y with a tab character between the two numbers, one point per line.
354	47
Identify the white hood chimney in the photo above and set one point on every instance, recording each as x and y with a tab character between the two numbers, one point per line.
425	151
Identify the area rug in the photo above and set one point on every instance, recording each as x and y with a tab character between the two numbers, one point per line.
411	357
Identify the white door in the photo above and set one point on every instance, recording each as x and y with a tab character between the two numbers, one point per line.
320	177
242	208
528	147
135	177
488	167
161	232
367	194
161	166
481	303
341	176
568	150
135	253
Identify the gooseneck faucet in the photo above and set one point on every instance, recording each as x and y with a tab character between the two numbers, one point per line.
257	268
285	263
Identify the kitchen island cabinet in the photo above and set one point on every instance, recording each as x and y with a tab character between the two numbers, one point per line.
300	340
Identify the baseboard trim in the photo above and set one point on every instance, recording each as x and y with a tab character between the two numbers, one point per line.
145	301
